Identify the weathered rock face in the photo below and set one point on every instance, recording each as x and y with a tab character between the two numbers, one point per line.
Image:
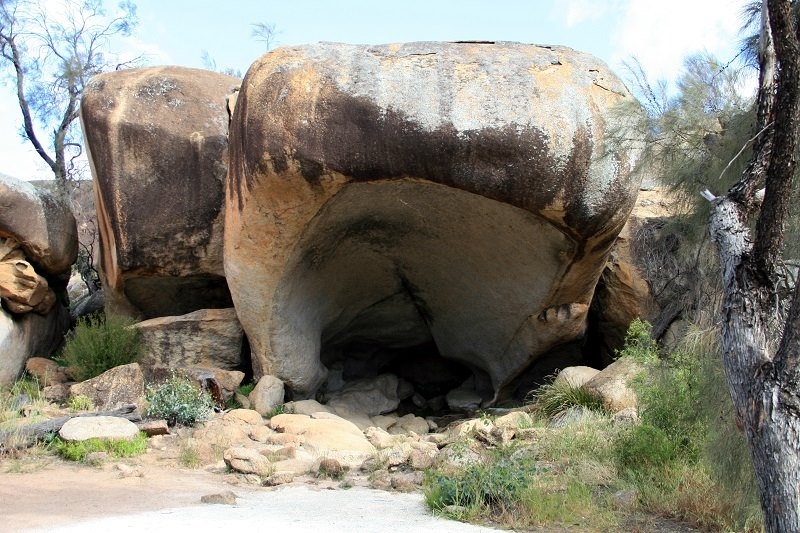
208	337
398	195
42	225
157	144
38	244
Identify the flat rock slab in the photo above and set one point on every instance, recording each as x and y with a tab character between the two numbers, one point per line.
98	427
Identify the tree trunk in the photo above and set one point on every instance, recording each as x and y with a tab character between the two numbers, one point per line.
764	381
765	396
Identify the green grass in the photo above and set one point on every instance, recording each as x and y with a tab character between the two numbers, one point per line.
556	397
685	460
80	402
79	450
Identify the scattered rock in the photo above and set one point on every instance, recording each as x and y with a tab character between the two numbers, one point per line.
279	478
223	498
152	428
46	371
612	384
576	376
331	468
371	396
407	481
267	394
247	461
244	416
627	416
463	400
57	393
328	437
98	427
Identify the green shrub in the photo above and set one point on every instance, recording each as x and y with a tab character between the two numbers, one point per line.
80	403
501	479
644	448
99	344
179	401
78	450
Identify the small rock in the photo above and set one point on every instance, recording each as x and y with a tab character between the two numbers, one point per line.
420	460
127	470
627	417
267	395
407	481
253	479
225	498
463	400
243	400
381	480
57	393
46	371
306	407
152	428
246	416
331	468
247	461
279	478
514	420
261	433
96	458
98	427
576	376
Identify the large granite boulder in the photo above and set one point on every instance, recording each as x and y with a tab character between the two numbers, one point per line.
38	244
157	140
463	194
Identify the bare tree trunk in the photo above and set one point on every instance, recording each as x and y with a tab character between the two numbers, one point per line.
764	382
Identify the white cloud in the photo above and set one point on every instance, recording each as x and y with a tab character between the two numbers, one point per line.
662	34
578	11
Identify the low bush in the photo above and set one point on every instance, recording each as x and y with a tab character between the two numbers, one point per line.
179	401
99	344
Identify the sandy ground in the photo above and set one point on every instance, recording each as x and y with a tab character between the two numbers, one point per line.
145	495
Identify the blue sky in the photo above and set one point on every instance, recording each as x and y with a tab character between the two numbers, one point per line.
177	32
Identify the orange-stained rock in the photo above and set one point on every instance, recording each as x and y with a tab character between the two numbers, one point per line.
157	140
460	194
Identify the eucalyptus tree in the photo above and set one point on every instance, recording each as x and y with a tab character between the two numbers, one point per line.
49	49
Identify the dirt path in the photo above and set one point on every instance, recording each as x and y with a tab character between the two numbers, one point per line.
56	496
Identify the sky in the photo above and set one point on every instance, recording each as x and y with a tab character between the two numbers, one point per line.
659	34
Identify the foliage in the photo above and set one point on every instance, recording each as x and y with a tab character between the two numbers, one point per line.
79	450
189	455
639	345
99	344
79	402
555	397
179	401
50	50
246	389
515	487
